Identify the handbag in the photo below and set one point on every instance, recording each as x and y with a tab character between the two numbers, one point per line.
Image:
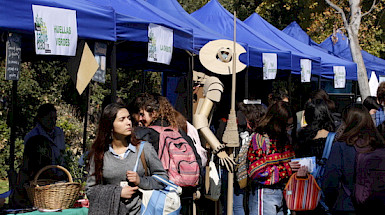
157	202
302	194
213	184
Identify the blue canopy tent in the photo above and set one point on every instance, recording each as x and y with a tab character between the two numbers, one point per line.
183	38
328	61
342	49
94	22
202	34
295	31
218	18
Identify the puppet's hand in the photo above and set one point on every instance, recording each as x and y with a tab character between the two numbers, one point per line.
226	161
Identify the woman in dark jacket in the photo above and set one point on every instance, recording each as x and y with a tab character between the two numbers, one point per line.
360	135
44	145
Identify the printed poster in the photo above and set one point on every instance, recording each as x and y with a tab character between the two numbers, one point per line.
339	76
13	57
55	30
305	70
100	52
269	65
160	44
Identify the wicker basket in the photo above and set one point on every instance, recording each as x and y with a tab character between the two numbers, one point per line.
46	194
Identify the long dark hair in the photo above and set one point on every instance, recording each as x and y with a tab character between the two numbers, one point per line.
275	122
318	117
104	138
371	103
322	94
360	130
253	113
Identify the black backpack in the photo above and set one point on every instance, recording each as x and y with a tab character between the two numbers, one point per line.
370	177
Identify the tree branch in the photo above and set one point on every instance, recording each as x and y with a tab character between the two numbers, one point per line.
371	8
339	10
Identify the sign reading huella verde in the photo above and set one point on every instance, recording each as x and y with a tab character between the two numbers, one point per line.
55	30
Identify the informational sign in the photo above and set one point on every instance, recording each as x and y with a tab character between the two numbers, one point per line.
100	52
269	65
13	57
55	30
305	70
373	84
87	69
160	44
339	76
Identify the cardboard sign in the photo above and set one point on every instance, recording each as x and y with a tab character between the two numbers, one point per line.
160	44
305	70
13	57
55	30
339	76
269	65
100	57
87	69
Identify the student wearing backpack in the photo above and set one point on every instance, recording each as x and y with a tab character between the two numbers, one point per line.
269	158
158	115
346	174
112	185
312	138
165	129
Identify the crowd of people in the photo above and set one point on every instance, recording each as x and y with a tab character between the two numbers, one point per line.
270	136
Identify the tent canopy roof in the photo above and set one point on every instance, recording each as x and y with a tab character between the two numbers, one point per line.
93	21
327	61
218	18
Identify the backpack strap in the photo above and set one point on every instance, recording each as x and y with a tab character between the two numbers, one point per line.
140	150
325	154
143	159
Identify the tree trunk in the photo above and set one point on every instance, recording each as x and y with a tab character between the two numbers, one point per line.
362	76
353	29
353	26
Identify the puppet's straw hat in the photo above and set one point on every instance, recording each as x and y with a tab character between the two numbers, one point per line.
216	56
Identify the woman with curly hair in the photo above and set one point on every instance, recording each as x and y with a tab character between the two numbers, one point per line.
156	110
112	185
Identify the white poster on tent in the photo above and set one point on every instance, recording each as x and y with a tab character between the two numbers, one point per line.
373	84
339	76
269	65
55	30
305	70
160	44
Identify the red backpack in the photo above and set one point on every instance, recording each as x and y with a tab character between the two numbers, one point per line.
178	157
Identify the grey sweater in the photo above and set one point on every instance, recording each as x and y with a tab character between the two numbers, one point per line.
114	172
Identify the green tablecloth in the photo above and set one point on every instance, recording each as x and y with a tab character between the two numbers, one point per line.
71	211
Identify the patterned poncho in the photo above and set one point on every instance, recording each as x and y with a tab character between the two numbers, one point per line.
267	164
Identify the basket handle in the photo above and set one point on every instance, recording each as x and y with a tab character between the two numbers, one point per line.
50	167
